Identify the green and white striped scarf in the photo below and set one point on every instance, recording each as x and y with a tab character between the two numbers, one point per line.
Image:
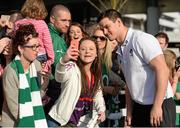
31	113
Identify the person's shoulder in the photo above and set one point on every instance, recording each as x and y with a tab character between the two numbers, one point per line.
142	33
50	25
143	36
38	23
52	30
19	21
56	37
10	68
41	21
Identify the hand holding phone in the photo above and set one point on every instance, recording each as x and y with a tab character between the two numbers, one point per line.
74	44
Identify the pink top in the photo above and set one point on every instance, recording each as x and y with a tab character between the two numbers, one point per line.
45	41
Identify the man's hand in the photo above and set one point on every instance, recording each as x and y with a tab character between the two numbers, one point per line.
129	108
127	122
156	116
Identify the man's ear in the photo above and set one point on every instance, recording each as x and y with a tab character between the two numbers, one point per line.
119	21
52	19
166	45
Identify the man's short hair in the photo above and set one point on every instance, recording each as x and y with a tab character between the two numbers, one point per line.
57	8
111	14
162	35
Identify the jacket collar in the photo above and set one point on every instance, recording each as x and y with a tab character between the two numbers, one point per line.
52	28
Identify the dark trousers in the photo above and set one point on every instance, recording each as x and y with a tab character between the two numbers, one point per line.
141	114
54	90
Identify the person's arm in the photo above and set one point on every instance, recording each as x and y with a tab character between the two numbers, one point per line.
48	45
99	105
162	75
10	90
112	90
175	80
128	107
60	71
115	78
177	95
116	84
43	77
62	66
3	43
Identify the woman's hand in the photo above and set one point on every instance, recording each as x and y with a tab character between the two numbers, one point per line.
3	43
71	54
101	117
44	77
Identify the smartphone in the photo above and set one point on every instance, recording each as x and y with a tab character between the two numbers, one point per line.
5	18
74	44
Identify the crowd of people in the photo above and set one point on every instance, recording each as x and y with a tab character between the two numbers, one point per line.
61	74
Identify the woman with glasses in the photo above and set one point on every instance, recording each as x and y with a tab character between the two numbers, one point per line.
112	82
35	12
22	105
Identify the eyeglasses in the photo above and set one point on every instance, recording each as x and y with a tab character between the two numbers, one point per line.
33	47
102	38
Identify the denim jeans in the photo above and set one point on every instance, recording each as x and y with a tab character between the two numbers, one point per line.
51	122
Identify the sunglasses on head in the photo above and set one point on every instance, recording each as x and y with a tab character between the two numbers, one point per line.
102	38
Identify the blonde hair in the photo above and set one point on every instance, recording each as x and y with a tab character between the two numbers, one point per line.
170	56
106	57
34	9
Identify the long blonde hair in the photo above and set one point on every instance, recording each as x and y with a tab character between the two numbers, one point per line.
170	56
106	57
